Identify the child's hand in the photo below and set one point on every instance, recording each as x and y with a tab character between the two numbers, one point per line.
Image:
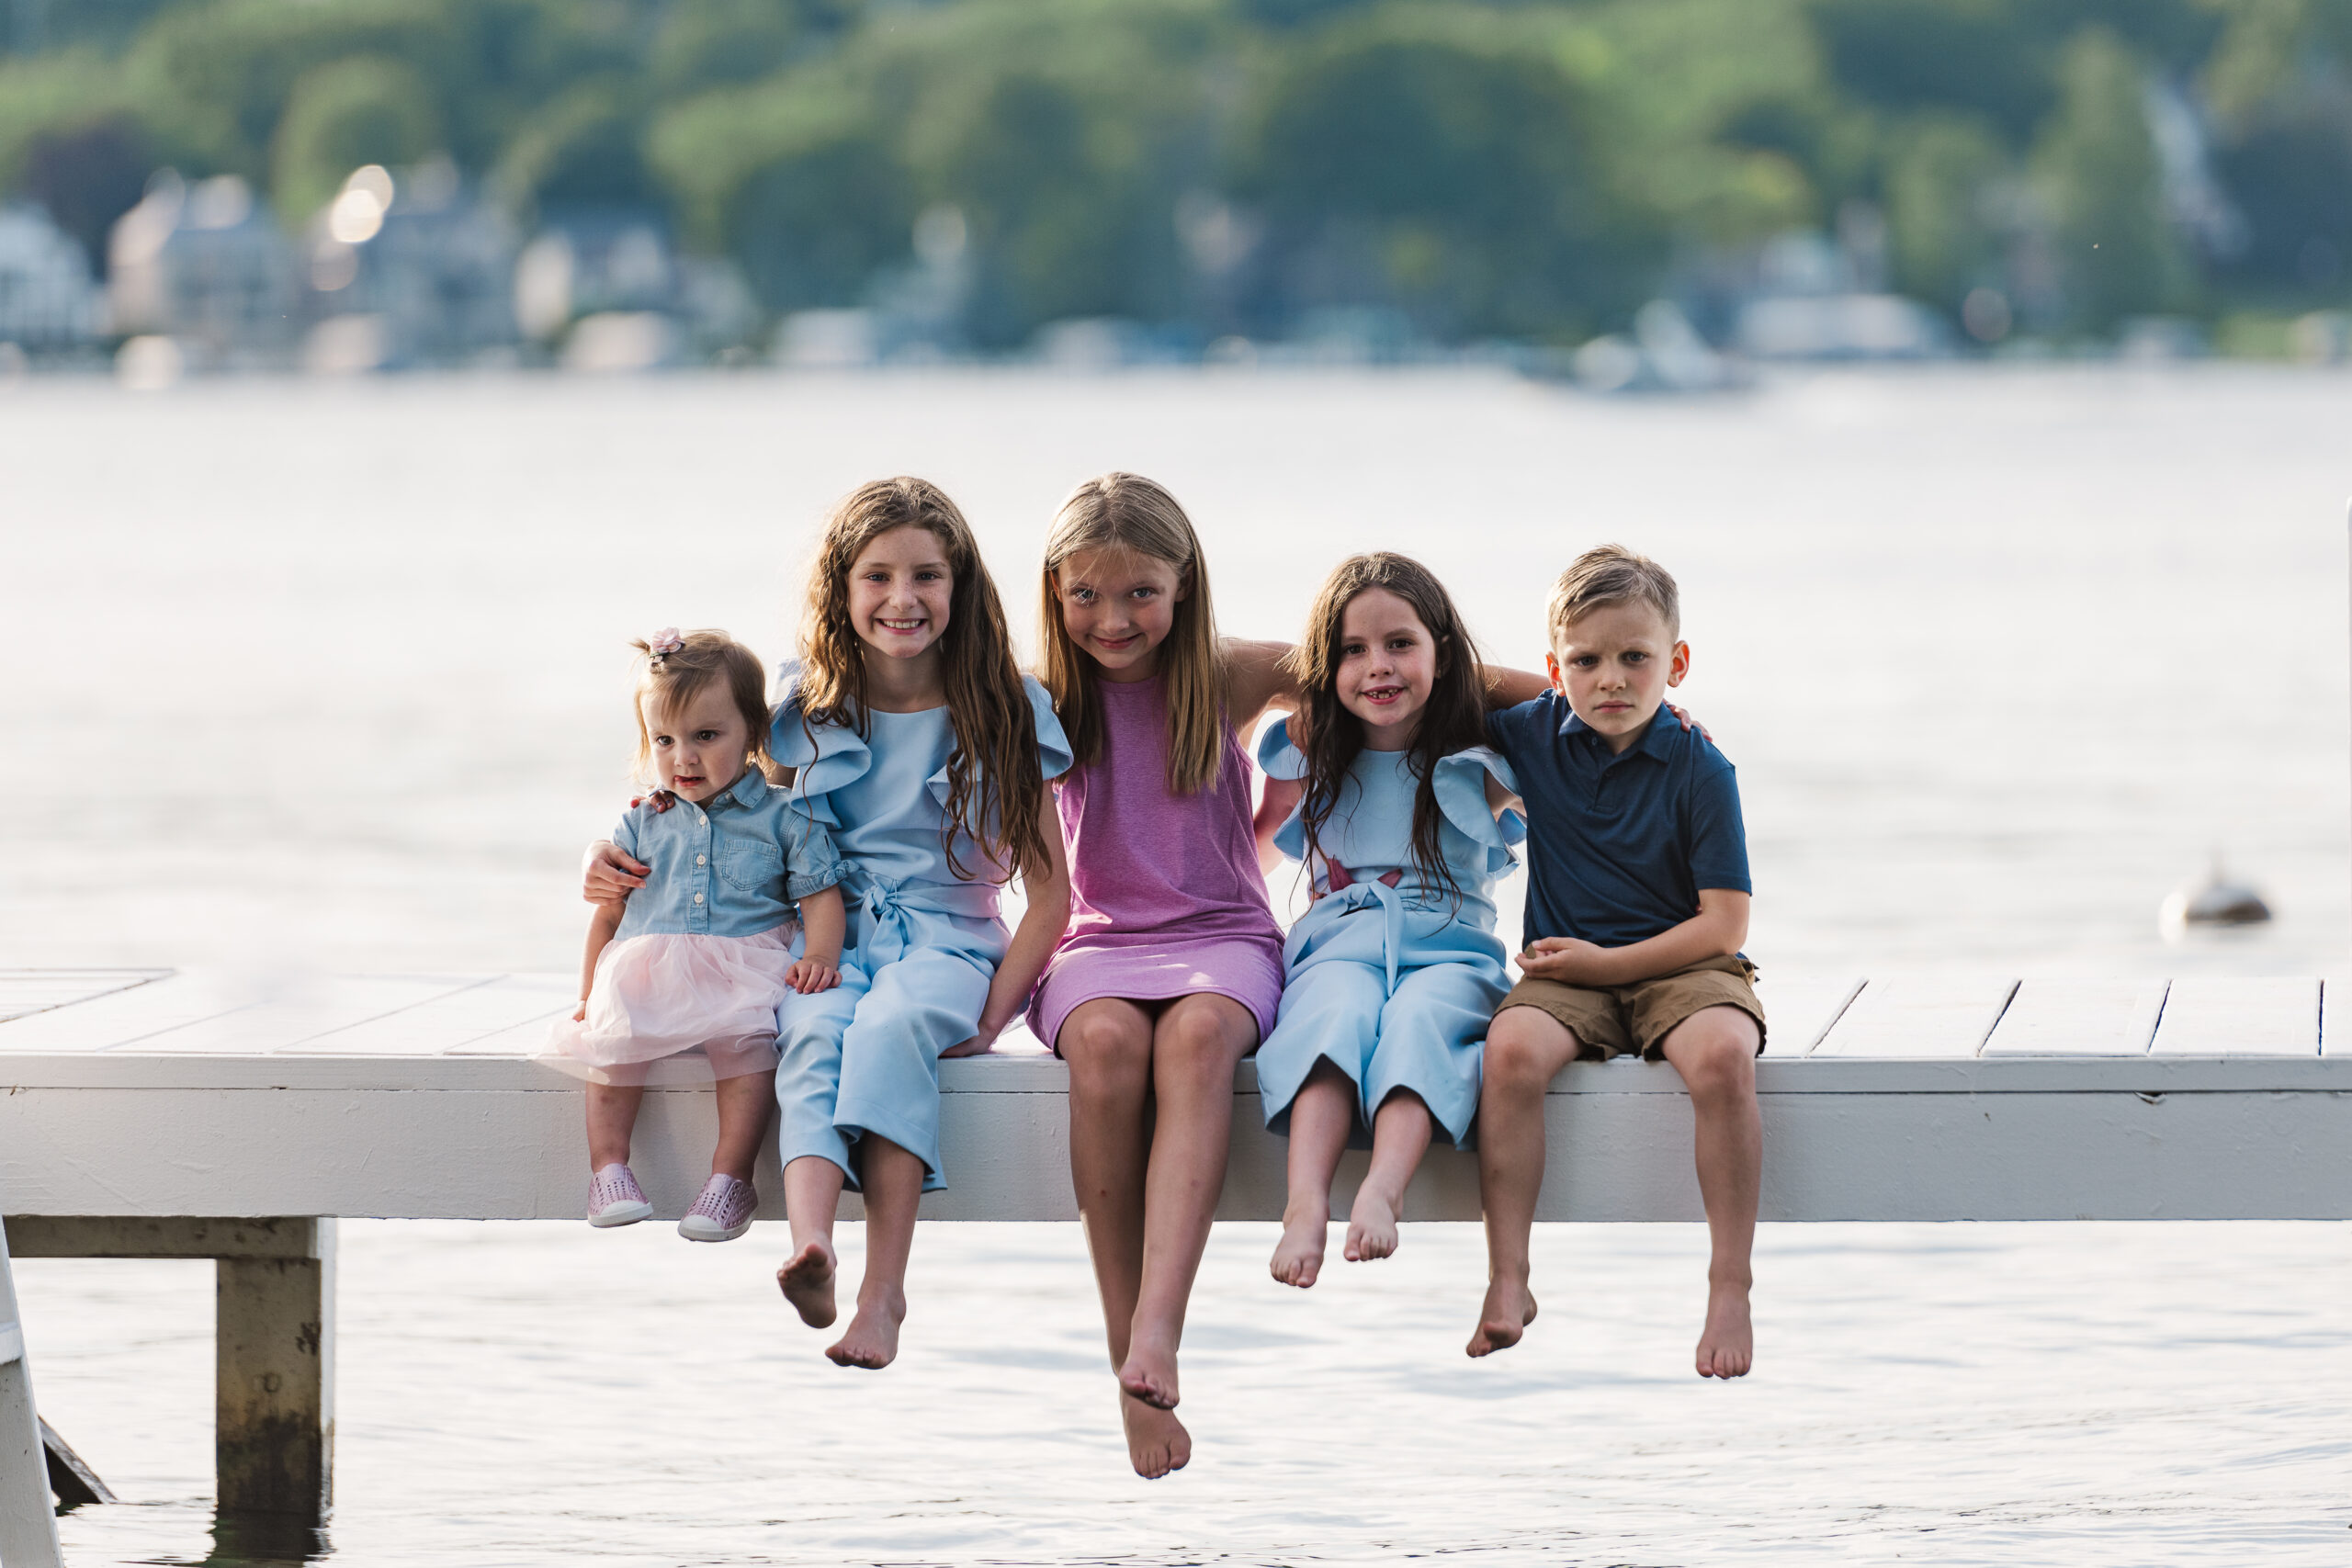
579	1013
1683	716
1566	960
810	976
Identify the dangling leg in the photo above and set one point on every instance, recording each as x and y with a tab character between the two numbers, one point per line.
1322	1115
1400	1136
891	1179
816	1157
1196	1043
1715	1050
1107	1044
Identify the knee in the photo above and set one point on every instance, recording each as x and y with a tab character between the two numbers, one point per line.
1105	1054
1520	1055
1715	1053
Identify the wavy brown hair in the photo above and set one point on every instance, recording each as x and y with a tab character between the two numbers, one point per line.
994	783
666	683
1454	719
1129	512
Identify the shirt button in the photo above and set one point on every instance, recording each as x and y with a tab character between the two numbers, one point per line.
700	859
697	898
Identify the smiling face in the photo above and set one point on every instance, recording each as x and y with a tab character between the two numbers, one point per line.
700	750
1119	607
1615	663
899	589
1388	664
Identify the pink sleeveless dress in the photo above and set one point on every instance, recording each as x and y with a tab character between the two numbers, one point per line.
1166	897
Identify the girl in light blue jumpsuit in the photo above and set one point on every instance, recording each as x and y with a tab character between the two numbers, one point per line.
915	740
1393	972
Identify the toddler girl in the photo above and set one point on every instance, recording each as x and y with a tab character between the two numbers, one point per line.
1172	969
1394	969
703	951
916	740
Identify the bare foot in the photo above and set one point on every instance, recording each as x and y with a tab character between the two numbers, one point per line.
806	1282
1149	1374
872	1338
1157	1441
1509	1309
1727	1344
1372	1227
1298	1256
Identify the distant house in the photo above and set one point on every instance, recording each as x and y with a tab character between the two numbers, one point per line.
205	266
48	299
408	269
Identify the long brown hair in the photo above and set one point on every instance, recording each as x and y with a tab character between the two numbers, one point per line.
1454	719
994	783
667	681
1129	512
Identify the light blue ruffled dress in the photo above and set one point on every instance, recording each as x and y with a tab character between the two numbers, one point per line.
923	943
1388	978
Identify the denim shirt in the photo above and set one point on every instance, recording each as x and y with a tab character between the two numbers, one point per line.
733	867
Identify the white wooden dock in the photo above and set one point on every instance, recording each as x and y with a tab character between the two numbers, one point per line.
147	1113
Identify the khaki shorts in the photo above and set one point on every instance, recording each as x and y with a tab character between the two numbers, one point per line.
1615	1019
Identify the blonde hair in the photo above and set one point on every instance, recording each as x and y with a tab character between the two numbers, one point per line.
1611	574
995	785
1130	513
666	683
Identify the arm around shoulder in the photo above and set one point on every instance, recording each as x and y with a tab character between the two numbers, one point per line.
1257	678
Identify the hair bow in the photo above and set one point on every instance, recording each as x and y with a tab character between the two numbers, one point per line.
666	640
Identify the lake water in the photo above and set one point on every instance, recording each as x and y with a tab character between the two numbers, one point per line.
332	676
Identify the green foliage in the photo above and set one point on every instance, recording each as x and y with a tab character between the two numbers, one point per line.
1417	151
1528	168
2096	168
1941	177
360	109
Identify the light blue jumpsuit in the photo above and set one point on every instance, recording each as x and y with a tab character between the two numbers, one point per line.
922	944
1392	982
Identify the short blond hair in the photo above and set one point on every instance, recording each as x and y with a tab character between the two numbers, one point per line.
1611	574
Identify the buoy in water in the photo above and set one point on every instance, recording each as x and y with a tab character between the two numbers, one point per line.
2216	901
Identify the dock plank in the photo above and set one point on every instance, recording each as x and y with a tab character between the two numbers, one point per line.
124	1018
1800	1010
311	1015
2228	1016
456	1021
1919	1016
2079	1018
23	992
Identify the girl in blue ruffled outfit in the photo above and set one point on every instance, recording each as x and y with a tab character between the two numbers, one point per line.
918	745
1391	974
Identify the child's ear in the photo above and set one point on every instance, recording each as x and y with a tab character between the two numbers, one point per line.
1680	664
1552	673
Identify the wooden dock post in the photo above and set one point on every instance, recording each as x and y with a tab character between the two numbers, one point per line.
28	1523
273	1413
273	1436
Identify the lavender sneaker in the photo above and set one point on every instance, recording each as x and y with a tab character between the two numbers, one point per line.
615	1197
723	1211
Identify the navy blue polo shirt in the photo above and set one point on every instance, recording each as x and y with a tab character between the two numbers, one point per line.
1618	845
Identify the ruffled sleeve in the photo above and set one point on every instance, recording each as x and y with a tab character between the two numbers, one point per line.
1277	756
1461	786
1280	760
1054	754
811	863
823	757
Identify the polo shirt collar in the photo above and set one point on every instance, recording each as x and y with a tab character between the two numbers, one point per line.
1656	741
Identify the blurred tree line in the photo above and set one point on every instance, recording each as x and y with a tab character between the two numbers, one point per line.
1523	168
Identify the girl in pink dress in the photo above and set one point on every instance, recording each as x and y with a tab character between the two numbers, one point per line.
1172	970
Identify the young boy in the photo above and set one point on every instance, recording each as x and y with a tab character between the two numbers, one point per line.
1637	907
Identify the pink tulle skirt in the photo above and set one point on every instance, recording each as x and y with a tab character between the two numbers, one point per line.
659	996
